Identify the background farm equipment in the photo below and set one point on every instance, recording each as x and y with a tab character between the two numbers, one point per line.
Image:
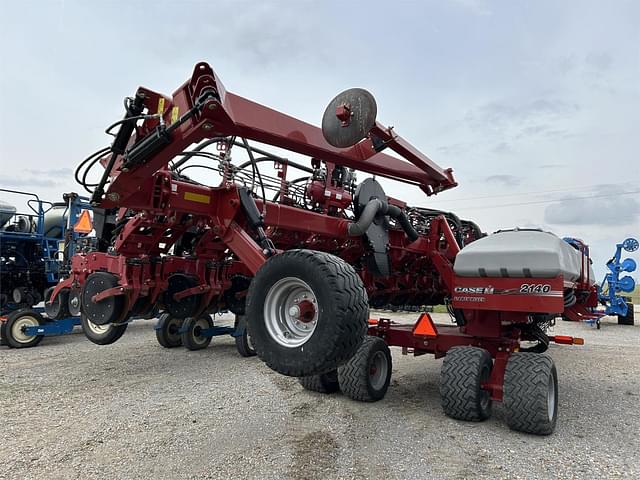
36	252
303	262
613	284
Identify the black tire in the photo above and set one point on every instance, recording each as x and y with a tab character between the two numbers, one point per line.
59	308
168	331
244	342
531	393
3	333
323	383
13	328
628	319
74	302
102	334
339	319
192	326
367	375
463	371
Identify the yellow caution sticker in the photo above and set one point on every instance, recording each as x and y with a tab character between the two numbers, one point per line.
197	197
160	105
175	111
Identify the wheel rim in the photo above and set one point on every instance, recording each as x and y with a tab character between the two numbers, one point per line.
17	329
291	312
74	303
551	398
196	332
98	329
378	368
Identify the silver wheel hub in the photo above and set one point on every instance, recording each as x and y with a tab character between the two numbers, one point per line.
291	312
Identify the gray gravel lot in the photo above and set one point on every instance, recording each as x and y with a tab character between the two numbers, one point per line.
71	409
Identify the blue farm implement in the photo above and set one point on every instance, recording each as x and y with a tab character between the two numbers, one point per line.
36	248
614	284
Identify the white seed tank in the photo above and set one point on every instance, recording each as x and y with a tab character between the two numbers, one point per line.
521	253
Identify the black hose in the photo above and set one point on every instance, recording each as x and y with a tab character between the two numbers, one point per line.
255	169
367	216
369	213
91	160
195	151
297	180
126	120
397	214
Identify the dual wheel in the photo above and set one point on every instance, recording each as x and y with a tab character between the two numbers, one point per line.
66	303
172	332
530	390
365	377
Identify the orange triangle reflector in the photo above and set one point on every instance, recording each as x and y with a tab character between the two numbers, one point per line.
84	224
424	326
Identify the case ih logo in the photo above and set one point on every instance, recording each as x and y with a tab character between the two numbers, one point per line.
476	290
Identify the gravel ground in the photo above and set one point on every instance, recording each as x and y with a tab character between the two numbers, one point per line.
71	409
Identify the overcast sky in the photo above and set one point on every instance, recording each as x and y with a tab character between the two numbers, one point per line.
535	105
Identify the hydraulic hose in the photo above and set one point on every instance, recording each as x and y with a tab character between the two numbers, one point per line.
371	210
569	299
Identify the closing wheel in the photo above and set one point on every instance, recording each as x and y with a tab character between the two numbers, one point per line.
14	328
168	331
367	375
102	334
192	328
73	302
307	312
463	372
244	343
323	383
531	393
57	309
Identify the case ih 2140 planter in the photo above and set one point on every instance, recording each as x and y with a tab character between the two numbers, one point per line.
304	258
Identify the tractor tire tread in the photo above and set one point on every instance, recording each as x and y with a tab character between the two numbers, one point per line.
353	377
525	393
323	383
459	380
